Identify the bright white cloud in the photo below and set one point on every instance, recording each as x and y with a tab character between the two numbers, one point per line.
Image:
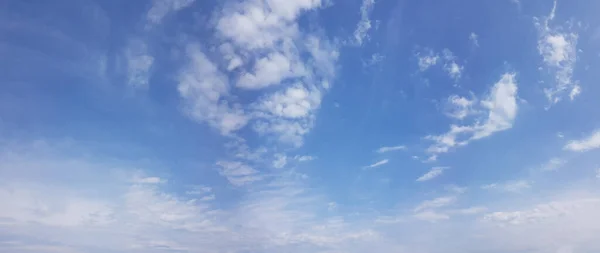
433	173
391	148
364	25
377	164
501	107
558	49
510	186
585	144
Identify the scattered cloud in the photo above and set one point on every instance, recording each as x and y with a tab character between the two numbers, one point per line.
460	107
427	59
433	173
501	109
389	149
585	144
471	210
474	38
510	186
454	70
558	49
543	212
280	161
364	25
374	60
199	190
377	164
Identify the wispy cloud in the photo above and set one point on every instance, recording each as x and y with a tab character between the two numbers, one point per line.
585	144
435	203
391	148
433	173
161	8
304	158
501	109
377	164
364	25
558	49
510	186
474	38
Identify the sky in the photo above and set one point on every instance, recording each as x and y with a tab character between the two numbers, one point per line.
268	126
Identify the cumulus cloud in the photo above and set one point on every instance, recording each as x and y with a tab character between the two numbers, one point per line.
460	107
389	149
510	186
377	164
433	173
364	25
501	109
558	49
585	144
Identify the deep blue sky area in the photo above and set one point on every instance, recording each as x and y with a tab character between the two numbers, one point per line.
265	126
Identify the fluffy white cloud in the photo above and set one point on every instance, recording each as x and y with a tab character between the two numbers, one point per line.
510	186
451	67
558	49
364	25
501	107
433	173
392	148
139	62
585	144
203	88
377	164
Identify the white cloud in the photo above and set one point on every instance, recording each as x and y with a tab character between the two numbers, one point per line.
435	203
510	186
203	88
392	148
280	161
501	107
585	144
237	173
474	38
471	210
139	62
460	107
364	25
148	180
304	158
270	70
433	173
558	49
542	212
427	59
160	9
454	70
377	164
374	60
199	190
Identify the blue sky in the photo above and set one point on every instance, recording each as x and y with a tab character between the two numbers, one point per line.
299	126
